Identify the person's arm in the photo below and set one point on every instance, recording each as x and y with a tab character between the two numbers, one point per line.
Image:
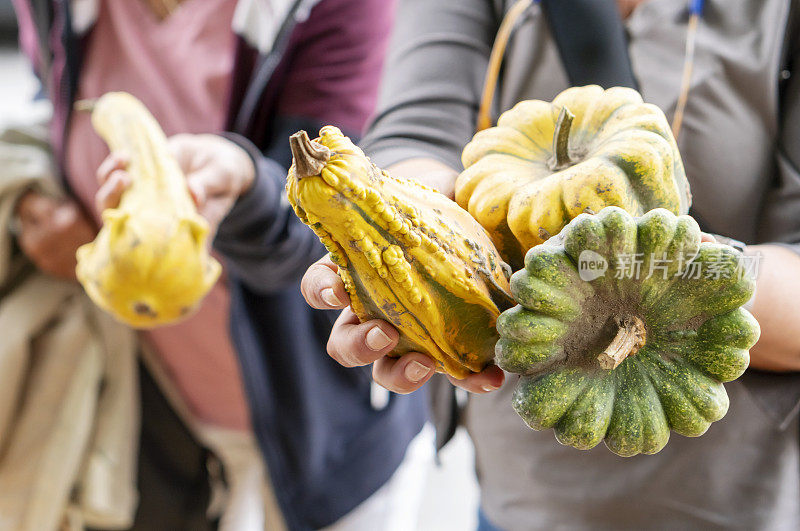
777	309
332	76
427	111
777	301
262	241
432	83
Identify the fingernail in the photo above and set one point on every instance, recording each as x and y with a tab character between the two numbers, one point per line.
489	388
415	371
330	298
377	339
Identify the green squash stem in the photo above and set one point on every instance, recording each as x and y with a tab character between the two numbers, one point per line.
629	339
309	157
560	158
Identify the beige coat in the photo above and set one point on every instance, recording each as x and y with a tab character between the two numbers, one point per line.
68	393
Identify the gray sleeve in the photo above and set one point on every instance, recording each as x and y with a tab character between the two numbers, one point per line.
264	244
432	81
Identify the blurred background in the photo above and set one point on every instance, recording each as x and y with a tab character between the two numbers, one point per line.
18	86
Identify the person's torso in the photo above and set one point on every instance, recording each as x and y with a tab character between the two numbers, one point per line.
744	473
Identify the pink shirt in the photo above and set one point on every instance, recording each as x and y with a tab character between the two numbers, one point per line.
180	68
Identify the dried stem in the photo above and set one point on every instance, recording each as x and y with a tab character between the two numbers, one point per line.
309	157
85	105
560	159
629	339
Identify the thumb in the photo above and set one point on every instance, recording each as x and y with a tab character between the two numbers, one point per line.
182	148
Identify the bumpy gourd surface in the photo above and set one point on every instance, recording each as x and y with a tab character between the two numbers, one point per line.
617	150
681	332
149	265
406	253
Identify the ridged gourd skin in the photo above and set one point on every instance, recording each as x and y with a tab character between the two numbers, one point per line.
545	163
406	253
626	360
149	265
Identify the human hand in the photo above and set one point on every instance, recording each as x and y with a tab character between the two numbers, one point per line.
353	343
217	172
50	232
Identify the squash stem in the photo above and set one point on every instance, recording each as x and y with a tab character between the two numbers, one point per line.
629	339
85	105
560	158
309	157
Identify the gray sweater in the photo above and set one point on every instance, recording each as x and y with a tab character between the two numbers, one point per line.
741	147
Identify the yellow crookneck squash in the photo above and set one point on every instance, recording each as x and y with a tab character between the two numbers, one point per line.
149	265
406	253
545	163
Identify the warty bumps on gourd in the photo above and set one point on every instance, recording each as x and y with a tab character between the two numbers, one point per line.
406	253
150	263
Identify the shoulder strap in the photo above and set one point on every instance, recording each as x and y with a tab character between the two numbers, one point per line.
591	41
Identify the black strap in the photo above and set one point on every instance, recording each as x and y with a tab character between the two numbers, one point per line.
591	41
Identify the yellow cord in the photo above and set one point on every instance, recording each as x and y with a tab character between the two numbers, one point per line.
495	60
686	79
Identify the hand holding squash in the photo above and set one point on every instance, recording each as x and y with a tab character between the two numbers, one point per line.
150	264
217	173
354	343
50	231
406	253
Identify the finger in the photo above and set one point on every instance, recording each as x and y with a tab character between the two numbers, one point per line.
198	192
65	216
36	209
22	208
213	181
322	287
354	344
181	146
706	237
31	241
110	193
405	374
115	161
209	183
486	381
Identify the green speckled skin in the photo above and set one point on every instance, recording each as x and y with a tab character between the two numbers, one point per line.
697	334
